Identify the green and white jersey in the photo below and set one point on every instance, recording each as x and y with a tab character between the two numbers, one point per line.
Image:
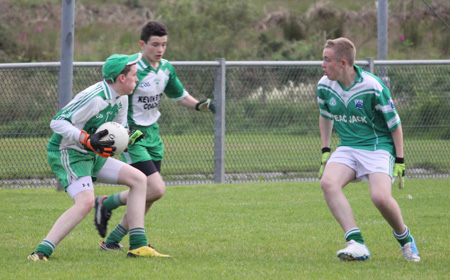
363	114
143	103
89	109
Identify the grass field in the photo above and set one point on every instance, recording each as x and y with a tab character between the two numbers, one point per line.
233	231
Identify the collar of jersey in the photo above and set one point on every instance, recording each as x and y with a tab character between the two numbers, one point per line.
143	64
110	93
358	78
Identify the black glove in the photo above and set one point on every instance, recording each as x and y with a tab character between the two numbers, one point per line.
206	105
102	148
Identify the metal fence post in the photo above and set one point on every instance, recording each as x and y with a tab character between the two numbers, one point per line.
383	18
370	66
219	122
66	69
383	29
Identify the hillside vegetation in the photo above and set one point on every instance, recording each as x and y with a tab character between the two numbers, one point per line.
233	29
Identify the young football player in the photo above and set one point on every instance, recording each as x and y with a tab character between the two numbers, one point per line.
78	157
360	108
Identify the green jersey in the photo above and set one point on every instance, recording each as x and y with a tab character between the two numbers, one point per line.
89	109
143	103
363	114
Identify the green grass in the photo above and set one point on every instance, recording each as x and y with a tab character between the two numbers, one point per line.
233	231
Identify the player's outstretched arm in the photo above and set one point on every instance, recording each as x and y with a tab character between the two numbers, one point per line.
206	105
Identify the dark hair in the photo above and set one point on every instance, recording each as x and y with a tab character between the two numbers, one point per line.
153	28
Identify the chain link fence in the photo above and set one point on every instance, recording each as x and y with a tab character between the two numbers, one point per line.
271	120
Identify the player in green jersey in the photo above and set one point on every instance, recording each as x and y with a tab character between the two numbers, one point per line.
77	156
360	108
156	76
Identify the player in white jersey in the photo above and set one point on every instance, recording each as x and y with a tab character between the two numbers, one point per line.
78	157
360	107
156	76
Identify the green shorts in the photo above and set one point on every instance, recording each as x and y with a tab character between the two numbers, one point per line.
68	164
149	148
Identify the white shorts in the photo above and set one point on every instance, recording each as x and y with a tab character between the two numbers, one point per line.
108	174
364	162
110	171
80	185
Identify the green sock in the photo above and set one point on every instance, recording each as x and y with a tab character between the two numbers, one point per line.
116	235
404	237
354	234
137	238
112	202
47	247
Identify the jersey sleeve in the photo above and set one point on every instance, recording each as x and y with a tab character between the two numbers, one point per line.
66	129
174	88
321	100
385	106
71	119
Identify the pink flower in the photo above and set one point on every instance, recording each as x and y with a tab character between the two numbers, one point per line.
402	38
38	29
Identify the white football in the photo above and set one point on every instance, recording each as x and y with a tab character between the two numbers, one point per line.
116	132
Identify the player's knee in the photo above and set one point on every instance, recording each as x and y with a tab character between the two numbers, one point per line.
85	205
380	200
155	191
326	184
138	180
160	192
142	179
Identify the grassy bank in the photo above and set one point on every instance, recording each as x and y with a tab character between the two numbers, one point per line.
233	29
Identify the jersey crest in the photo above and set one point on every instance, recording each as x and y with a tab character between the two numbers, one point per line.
359	104
332	101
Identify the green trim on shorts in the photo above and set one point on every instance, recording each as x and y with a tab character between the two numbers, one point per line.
391	165
149	148
69	163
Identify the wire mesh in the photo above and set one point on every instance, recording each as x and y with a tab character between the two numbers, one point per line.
271	121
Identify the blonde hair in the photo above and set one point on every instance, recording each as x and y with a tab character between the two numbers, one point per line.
343	49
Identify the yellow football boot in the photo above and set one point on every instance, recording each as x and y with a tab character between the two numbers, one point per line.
145	251
39	256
